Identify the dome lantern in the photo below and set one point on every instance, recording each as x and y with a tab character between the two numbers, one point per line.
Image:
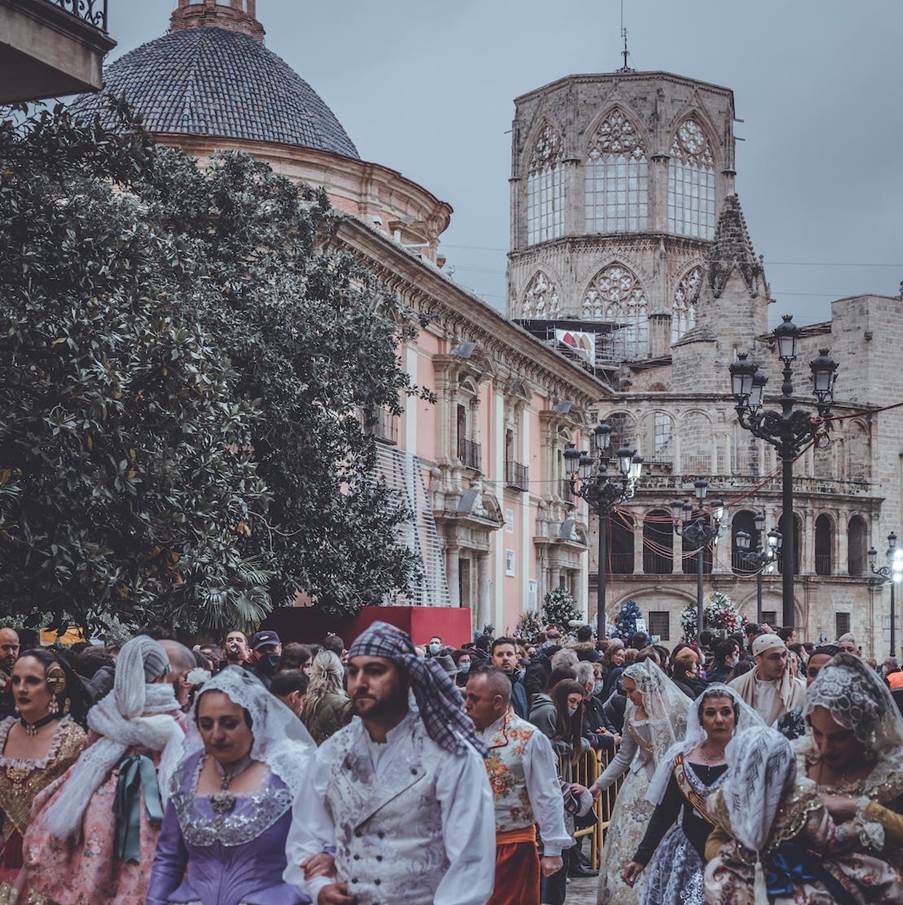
232	15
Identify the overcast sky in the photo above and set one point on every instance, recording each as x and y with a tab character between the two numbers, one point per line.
427	87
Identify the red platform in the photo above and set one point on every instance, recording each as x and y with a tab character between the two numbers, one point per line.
307	624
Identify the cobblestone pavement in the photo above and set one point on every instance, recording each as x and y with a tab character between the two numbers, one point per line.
582	891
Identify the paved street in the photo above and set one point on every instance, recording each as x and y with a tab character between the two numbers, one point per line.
582	892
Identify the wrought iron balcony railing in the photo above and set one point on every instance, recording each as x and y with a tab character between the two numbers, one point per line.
94	12
469	453
517	476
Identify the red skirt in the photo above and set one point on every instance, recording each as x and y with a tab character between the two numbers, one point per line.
516	869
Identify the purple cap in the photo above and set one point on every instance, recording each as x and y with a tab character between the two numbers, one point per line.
264	639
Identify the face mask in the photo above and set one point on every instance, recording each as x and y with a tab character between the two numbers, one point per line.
598	685
572	711
435	647
464	667
269	664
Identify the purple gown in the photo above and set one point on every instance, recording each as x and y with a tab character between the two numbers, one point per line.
233	859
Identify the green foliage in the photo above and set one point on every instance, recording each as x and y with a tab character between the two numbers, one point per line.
528	626
560	609
182	357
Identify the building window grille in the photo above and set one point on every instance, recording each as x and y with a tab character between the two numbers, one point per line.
658	543
770	617
683	309
691	183
660	624
841	624
616	179
616	296
545	188
621	554
824	541
662	439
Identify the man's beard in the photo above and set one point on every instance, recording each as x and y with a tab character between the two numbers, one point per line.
377	708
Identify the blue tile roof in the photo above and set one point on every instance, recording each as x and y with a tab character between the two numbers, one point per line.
210	81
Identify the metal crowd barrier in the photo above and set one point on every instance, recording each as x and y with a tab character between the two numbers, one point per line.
585	771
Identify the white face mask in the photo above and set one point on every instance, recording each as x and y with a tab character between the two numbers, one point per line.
572	711
598	685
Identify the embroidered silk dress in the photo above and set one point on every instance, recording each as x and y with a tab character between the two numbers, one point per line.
808	859
674	844
233	858
20	782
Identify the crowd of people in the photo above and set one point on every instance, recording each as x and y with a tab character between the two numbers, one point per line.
749	769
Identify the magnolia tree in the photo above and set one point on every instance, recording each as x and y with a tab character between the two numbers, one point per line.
183	360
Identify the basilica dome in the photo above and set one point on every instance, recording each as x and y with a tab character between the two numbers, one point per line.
211	75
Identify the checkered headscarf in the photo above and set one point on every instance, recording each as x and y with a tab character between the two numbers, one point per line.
438	700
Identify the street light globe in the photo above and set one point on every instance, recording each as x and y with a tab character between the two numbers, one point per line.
742	372
824	373
625	460
603	436
786	334
743	539
571	460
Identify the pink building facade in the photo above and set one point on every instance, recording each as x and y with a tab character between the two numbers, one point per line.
482	469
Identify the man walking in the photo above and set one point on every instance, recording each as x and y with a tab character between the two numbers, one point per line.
503	656
525	787
400	795
769	688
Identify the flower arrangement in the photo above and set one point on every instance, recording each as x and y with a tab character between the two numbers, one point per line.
528	626
719	615
560	608
625	621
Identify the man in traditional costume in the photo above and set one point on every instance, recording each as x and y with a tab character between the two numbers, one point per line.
400	796
769	688
526	789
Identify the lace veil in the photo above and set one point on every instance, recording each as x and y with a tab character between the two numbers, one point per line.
665	705
696	735
858	700
281	740
761	770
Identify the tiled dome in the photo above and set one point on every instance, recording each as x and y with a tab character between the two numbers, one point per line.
215	81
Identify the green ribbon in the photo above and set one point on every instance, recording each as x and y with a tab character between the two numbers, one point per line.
137	781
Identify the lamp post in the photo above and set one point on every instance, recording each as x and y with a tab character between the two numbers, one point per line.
788	430
602	490
761	557
699	526
892	573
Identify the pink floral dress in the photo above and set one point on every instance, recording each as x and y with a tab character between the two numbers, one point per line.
86	871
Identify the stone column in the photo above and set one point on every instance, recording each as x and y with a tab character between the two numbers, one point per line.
451	564
807	543
677	556
843	544
482	602
658	193
637	545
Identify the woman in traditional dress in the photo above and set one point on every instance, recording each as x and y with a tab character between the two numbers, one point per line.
230	808
775	842
36	748
655	718
853	750
680	825
93	834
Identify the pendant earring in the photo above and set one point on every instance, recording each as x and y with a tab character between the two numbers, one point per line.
54	707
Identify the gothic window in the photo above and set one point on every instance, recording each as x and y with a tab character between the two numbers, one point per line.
615	295
545	188
696	444
616	178
683	310
691	183
541	297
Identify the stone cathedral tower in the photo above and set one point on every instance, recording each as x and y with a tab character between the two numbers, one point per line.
618	182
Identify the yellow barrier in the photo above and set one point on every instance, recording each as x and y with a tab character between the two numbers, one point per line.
585	771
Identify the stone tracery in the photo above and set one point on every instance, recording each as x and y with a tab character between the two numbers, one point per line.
541	297
615	294
691	182
545	187
683	309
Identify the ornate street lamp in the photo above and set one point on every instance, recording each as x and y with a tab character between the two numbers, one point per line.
701	527
603	490
891	573
761	557
789	430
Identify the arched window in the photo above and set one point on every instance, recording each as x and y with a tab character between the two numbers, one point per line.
744	521
621	543
616	178
658	448
824	459
691	183
695	444
797	544
615	295
623	431
658	543
824	543
540	297
683	309
545	188
857	545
